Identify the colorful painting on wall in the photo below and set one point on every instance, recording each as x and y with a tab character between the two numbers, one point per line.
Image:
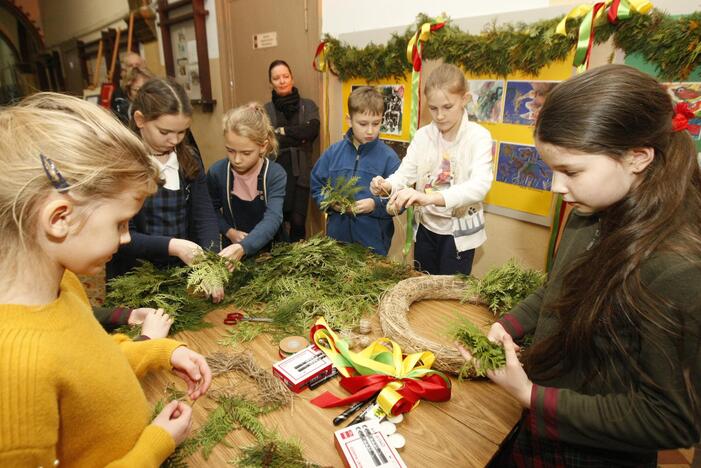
522	165
486	100
524	99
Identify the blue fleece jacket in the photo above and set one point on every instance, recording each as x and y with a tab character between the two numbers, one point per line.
373	230
274	182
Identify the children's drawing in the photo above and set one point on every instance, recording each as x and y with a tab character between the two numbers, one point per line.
522	165
691	94
524	99
486	100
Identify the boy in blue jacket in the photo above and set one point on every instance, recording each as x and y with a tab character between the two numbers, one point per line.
360	154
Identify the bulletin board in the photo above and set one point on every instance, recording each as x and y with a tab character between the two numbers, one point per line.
397	94
507	108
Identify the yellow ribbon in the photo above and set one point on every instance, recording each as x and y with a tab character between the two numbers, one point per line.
321	63
640	6
421	35
383	356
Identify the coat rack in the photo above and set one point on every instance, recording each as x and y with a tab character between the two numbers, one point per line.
197	15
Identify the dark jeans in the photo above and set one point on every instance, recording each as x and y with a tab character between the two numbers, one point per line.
436	254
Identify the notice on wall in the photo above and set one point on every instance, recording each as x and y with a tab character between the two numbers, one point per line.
265	40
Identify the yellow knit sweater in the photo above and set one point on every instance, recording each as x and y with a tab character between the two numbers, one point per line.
69	391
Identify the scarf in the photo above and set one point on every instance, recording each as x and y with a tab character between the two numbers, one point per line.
288	105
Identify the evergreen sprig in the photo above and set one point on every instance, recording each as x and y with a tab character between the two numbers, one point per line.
231	413
340	195
274	453
504	287
166	288
671	44
208	273
489	356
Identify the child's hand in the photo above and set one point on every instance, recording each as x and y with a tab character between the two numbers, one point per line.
176	419
156	324
511	377
136	317
380	187
193	369
232	252
235	235
217	295
337	207
366	205
184	249
407	197
497	333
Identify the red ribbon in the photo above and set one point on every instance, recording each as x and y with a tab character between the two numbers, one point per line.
613	11
319	48
596	9
682	114
415	55
431	388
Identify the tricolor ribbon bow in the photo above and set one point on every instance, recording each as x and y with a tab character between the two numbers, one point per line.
402	381
682	114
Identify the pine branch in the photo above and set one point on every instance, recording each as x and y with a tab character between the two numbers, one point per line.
489	356
340	195
504	287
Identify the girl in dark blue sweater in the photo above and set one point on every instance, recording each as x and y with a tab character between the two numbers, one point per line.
247	188
177	222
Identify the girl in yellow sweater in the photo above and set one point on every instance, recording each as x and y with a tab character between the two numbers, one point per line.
71	178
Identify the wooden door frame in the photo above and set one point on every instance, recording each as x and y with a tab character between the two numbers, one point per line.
226	62
226	50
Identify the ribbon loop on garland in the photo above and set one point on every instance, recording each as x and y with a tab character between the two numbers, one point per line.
592	14
402	381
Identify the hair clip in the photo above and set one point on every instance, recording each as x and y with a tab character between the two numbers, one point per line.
54	175
682	114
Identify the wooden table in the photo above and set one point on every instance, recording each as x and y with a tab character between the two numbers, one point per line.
465	431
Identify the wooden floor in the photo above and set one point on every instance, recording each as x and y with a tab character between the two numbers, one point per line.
465	431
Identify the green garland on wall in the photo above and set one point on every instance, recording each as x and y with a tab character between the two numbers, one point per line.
672	44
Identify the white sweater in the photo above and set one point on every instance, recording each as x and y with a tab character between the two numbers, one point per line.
472	171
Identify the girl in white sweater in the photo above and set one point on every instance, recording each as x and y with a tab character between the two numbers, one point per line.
446	174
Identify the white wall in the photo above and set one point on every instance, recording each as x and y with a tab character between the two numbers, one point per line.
65	19
343	16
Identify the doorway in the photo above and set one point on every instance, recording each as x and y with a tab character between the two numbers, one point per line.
244	70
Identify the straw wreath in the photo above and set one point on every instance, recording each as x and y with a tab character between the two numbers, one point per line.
395	304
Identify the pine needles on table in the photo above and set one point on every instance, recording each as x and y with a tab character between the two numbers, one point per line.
296	283
505	286
274	453
167	288
340	195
